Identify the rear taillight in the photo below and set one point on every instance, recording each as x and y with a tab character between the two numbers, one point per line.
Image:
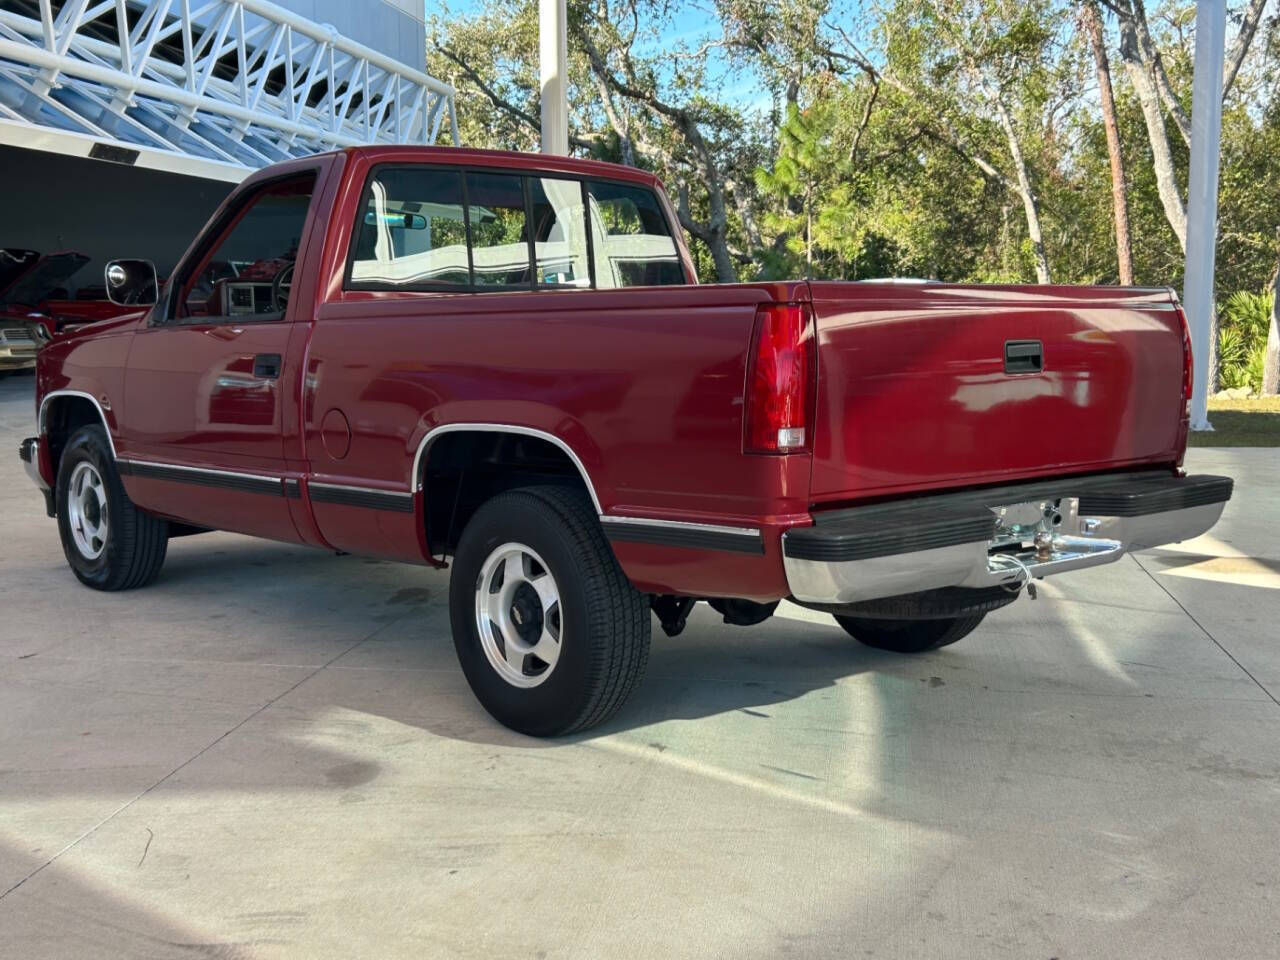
1188	361
781	377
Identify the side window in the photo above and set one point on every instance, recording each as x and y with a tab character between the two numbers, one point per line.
499	232
411	231
559	232
248	272
631	242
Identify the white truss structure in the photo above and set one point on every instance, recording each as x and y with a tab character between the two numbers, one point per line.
206	87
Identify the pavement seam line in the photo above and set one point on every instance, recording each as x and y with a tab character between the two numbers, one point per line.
203	750
1190	616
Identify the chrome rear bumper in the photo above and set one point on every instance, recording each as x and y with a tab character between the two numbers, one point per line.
994	537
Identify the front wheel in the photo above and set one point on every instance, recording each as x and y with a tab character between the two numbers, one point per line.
551	635
909	636
109	543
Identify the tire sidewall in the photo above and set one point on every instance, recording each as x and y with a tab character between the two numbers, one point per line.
557	702
89	445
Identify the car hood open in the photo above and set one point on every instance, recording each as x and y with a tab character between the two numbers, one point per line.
27	278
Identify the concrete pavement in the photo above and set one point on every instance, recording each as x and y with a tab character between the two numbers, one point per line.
272	753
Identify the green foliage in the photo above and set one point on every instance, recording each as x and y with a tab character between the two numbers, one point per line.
1243	321
885	152
1250	312
1253	369
1233	357
812	199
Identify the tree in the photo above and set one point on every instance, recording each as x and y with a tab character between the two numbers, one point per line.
988	61
796	176
623	106
1143	67
1091	20
491	59
956	139
1145	64
819	210
697	129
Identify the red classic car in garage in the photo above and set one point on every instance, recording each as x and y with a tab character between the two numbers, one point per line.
34	292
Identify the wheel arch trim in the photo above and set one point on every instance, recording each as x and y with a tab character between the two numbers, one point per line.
424	446
41	417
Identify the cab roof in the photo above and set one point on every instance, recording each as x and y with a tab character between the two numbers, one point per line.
507	159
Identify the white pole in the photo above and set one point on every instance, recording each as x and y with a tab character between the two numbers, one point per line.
553	54
1202	195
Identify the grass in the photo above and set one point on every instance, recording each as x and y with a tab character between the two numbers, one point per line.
1242	423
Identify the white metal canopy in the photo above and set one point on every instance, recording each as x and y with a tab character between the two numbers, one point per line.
211	88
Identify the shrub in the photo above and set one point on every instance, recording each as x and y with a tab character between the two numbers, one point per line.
1253	369
1242	338
1233	355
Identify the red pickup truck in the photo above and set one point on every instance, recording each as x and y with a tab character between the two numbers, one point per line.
503	362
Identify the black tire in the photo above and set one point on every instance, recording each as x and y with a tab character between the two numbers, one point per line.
603	620
135	543
909	636
947	603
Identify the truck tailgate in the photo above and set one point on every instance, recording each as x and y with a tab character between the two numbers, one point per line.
929	386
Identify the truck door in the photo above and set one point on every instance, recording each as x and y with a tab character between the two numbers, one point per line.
207	385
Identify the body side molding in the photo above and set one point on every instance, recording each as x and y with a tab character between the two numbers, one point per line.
681	533
372	498
203	476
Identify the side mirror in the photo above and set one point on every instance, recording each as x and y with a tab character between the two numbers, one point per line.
132	283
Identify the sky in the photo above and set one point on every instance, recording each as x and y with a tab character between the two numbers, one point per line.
691	24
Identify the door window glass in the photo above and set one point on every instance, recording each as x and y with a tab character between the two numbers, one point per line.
248	274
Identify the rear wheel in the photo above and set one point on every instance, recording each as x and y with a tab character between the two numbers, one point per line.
909	636
109	543
551	635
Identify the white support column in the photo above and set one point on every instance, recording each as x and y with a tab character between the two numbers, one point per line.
1202	194
553	55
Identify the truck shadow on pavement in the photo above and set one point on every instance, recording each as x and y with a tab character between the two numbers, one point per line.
397	621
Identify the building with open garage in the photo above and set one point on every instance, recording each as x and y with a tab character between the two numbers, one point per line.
123	123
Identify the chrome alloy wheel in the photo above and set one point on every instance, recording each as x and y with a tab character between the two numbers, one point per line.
87	510
518	615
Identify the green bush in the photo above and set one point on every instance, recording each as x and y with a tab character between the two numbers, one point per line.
1253	370
1233	354
1242	338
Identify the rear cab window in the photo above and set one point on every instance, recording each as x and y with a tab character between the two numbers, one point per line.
499	231
424	227
631	239
411	231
